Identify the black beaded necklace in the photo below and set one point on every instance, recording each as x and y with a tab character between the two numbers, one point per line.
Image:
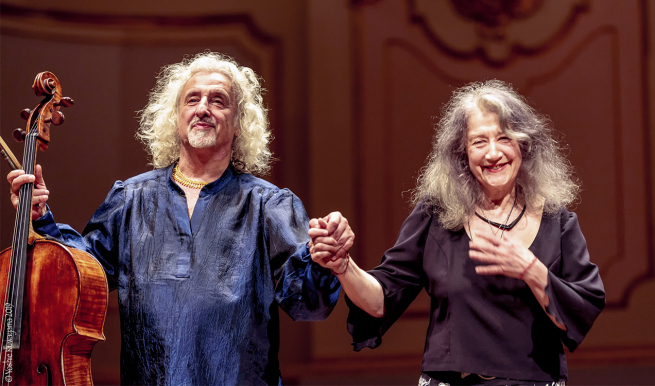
505	226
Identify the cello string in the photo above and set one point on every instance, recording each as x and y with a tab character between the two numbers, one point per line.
25	198
19	261
21	225
18	225
17	251
19	248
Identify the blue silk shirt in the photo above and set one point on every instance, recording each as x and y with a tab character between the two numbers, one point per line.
199	298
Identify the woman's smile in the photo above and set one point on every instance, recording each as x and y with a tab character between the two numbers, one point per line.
495	168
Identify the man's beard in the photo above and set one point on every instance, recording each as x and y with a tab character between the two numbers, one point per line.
201	139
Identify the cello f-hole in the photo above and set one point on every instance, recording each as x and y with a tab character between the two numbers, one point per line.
44	369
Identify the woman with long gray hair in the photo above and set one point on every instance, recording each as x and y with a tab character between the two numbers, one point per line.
491	241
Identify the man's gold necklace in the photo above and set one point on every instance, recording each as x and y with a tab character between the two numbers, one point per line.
186	181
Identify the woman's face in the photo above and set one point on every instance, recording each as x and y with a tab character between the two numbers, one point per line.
494	158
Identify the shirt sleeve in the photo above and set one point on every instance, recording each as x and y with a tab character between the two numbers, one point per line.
101	235
402	277
304	289
575	291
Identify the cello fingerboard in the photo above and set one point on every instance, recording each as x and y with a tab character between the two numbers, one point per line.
13	305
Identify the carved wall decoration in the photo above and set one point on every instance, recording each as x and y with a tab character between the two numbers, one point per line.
496	13
496	31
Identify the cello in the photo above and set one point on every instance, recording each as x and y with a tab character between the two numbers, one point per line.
54	297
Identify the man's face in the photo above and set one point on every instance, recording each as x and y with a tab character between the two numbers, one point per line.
207	109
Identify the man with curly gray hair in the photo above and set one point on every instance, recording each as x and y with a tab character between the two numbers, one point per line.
159	119
201	251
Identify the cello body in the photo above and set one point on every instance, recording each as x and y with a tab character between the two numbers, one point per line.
63	314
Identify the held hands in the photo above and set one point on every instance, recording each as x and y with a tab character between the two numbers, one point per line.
331	239
17	178
505	256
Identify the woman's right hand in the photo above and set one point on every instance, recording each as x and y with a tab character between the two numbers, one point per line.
18	178
331	238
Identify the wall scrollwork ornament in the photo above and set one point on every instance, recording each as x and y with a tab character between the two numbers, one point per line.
496	31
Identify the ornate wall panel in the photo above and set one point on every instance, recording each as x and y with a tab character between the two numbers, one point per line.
595	65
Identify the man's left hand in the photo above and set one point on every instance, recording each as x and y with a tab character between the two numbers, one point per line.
331	237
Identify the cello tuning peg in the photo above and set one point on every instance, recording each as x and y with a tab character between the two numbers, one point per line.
65	102
57	118
25	114
19	135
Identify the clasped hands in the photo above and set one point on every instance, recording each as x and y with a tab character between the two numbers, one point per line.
331	238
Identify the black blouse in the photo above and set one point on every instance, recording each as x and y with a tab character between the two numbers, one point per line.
489	325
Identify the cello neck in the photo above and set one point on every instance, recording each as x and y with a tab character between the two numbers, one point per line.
16	286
